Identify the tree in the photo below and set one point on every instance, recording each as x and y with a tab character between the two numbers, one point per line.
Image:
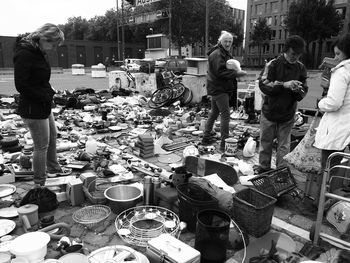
188	20
313	20
261	34
76	28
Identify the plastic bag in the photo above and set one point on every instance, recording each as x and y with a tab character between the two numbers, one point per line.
305	157
43	197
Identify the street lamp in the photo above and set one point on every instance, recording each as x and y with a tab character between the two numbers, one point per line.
170	7
118	48
123	41
206	27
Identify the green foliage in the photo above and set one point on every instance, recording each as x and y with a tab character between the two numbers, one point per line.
313	20
188	23
261	32
261	35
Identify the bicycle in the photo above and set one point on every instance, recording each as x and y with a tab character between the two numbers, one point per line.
170	91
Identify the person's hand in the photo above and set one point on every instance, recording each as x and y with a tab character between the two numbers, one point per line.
241	73
293	84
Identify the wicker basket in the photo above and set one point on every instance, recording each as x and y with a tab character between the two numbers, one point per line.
253	211
90	216
275	183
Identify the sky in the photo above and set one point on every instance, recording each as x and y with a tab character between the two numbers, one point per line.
21	16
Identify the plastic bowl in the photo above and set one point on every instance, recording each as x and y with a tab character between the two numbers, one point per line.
122	197
32	246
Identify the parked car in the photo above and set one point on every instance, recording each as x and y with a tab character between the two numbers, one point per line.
177	65
133	67
147	65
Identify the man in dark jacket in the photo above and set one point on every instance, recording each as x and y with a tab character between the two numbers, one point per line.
221	84
283	83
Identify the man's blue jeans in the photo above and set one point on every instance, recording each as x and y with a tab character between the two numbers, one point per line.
44	135
268	132
219	105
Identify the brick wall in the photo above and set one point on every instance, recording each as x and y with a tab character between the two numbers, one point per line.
74	52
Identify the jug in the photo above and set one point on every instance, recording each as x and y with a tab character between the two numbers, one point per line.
28	215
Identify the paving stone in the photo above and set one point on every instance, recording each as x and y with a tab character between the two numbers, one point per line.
301	222
282	213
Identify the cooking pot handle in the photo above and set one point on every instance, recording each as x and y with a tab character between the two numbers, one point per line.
57	225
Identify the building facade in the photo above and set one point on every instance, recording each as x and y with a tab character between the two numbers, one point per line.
275	11
158	44
72	52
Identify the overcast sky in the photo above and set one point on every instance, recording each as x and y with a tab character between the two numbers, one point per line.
21	16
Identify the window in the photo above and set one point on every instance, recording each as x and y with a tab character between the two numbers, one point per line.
274	7
341	11
280	34
282	3
269	21
266	49
273	48
280	47
340	1
276	21
282	18
154	42
259	9
273	35
266	8
329	46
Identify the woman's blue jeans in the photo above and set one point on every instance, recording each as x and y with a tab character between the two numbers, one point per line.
219	105
44	135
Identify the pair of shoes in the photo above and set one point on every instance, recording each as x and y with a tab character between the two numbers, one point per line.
63	172
208	141
259	170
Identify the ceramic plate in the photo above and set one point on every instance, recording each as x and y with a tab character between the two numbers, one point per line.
74	257
5	246
197	133
6	226
115	128
8	212
7	189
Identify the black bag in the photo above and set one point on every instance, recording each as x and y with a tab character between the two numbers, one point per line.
43	197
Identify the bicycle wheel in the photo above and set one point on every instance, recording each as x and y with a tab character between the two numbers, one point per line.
187	97
178	90
162	96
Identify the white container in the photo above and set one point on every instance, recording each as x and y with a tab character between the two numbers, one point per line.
98	71
32	246
78	69
91	145
166	248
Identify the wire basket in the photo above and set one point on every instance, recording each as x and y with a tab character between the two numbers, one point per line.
139	224
275	183
253	211
90	216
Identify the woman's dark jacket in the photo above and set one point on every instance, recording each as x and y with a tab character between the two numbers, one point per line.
32	76
219	78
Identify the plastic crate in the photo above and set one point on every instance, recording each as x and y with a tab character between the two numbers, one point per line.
275	182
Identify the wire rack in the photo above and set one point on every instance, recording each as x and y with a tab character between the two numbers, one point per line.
139	224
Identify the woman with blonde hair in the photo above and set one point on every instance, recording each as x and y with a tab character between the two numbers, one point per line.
32	76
